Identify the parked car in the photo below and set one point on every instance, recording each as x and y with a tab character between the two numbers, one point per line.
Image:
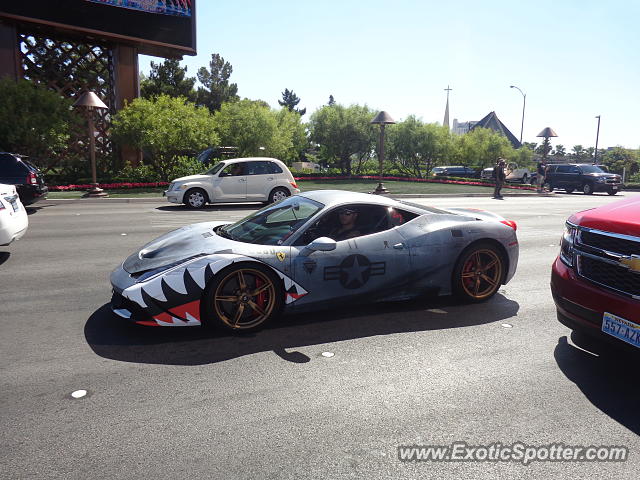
29	182
258	179
454	171
13	216
588	178
513	173
595	280
285	256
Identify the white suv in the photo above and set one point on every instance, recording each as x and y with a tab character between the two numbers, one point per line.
255	179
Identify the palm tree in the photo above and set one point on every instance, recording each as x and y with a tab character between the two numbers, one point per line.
560	151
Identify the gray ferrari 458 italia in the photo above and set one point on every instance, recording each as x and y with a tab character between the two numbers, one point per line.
313	251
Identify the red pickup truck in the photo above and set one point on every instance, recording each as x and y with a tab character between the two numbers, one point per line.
595	280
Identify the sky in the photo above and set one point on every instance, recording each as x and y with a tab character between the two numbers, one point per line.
574	59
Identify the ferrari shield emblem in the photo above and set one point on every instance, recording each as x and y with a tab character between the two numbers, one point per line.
281	256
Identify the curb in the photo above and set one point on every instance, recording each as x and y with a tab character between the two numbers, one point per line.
391	195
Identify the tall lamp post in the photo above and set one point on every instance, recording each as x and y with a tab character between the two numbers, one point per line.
524	102
89	102
595	154
382	119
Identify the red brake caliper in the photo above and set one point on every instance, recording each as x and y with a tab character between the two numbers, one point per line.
469	267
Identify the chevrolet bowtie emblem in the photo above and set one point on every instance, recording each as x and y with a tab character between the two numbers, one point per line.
632	263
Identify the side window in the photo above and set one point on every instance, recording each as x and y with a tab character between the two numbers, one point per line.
575	170
563	169
233	170
273	168
255	168
11	167
356	220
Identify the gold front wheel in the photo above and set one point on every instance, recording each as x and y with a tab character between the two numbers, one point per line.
244	297
479	273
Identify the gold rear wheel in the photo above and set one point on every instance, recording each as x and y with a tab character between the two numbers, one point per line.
479	273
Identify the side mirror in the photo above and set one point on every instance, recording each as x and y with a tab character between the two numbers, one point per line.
322	244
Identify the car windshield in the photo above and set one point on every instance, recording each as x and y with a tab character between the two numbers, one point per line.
273	224
591	169
217	167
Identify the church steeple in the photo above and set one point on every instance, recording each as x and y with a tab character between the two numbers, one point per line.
446	110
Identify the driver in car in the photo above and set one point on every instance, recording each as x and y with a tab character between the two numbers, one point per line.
346	229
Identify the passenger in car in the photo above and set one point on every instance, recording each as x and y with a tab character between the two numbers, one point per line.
346	229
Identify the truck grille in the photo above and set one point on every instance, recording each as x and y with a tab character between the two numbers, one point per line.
598	255
621	246
611	276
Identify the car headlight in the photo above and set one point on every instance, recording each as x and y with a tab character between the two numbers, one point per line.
144	276
566	244
600	180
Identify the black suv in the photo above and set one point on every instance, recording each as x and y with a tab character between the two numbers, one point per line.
15	170
454	171
588	178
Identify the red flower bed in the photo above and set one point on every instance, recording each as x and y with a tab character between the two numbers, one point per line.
114	186
108	186
414	179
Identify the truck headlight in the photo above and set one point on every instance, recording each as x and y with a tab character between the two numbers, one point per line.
566	244
600	180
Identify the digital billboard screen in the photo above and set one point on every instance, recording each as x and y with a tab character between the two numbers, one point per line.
156	27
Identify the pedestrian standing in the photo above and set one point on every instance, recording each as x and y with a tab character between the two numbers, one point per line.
542	170
499	176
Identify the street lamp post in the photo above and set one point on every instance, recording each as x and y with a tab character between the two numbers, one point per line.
546	146
89	101
524	102
595	154
382	119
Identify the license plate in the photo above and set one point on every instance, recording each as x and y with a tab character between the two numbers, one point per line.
614	188
621	328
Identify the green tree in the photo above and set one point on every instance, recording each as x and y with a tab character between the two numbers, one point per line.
292	139
579	152
216	88
559	151
415	147
168	78
165	129
344	133
481	147
291	101
34	121
523	157
620	159
589	152
256	129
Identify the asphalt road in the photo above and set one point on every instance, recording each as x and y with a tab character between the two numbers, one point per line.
167	403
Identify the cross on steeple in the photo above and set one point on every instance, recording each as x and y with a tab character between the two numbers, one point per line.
446	110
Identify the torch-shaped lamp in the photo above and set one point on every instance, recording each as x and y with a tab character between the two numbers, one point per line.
88	102
382	119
